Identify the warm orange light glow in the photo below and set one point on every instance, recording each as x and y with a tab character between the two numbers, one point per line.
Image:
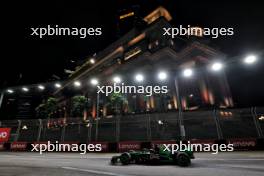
197	31
226	113
175	102
159	12
148	105
136	39
104	110
205	95
94	111
84	115
126	15
184	103
211	97
152	102
132	53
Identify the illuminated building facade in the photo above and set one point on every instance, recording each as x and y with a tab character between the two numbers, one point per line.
147	50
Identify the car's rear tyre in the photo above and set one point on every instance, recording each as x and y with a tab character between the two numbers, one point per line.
114	160
183	160
125	158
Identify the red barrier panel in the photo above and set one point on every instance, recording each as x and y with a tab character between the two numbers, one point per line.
104	145
126	146
4	134
2	147
153	143
18	146
243	144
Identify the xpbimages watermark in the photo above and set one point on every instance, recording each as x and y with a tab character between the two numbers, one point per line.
214	148
125	89
197	31
57	147
56	30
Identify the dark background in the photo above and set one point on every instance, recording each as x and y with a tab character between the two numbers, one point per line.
26	59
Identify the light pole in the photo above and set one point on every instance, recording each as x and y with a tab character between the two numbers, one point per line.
250	59
95	82
162	76
178	98
256	122
39	129
1	98
97	117
117	80
2	93
139	77
187	73
217	67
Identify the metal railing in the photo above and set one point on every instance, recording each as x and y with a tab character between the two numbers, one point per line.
210	124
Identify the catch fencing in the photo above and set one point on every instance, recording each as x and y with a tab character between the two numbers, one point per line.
207	124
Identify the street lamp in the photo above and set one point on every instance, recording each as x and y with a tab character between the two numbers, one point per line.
94	82
117	79
25	89
162	75
41	87
217	66
139	78
77	83
10	91
92	61
187	72
57	85
251	59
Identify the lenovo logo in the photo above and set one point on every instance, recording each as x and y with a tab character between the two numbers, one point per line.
4	134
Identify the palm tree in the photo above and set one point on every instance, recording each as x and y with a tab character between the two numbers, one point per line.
47	108
79	104
116	101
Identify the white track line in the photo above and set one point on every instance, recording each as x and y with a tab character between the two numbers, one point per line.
94	171
240	166
231	159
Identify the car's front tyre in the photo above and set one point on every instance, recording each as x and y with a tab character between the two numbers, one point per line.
183	160
125	158
114	160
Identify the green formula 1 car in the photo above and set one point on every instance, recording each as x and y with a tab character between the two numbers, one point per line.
151	156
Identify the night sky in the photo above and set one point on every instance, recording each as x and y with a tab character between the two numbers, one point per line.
27	59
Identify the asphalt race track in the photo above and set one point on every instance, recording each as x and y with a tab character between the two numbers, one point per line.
73	164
